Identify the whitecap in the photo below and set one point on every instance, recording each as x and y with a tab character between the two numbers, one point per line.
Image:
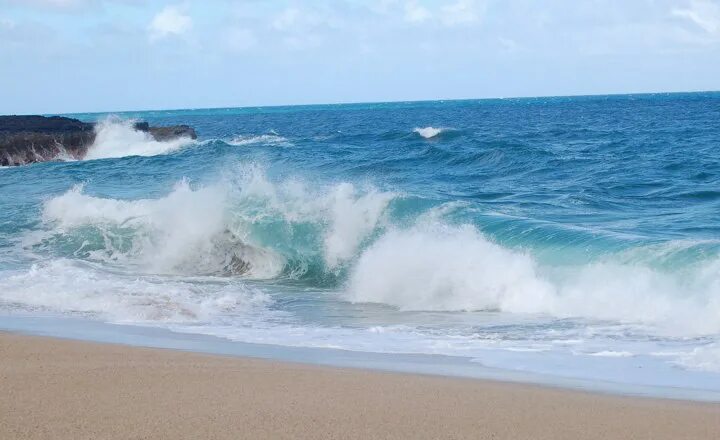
440	267
117	137
429	132
263	139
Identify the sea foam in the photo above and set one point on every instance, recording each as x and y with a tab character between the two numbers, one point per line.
117	137
263	139
456	268
226	228
429	132
250	226
185	232
64	285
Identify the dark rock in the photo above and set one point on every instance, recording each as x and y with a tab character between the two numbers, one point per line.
170	133
28	139
141	126
42	124
166	133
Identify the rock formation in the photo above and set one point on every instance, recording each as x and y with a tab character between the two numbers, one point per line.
28	139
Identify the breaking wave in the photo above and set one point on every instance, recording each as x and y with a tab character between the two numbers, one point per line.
456	268
353	238
264	139
117	137
429	132
246	226
186	232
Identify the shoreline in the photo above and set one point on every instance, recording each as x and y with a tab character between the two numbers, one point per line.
702	388
69	389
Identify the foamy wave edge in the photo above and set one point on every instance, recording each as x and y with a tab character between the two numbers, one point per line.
429	132
429	265
116	138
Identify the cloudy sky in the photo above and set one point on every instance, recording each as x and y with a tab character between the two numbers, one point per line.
110	55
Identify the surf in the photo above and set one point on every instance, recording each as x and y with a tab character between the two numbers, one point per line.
116	137
359	241
561	247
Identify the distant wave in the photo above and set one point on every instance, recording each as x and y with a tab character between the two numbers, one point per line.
429	132
117	137
264	139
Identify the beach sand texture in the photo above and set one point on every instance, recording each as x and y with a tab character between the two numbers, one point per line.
61	389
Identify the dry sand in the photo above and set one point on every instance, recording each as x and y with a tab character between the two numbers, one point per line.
59	389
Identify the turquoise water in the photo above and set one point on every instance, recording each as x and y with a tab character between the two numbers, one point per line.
578	237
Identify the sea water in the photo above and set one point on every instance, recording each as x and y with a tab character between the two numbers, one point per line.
576	238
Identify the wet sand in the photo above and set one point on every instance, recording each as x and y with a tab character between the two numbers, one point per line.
60	389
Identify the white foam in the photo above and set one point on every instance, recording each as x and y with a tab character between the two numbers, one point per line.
611	354
457	268
353	218
347	214
444	268
429	132
68	286
265	139
203	230
186	232
705	358
118	138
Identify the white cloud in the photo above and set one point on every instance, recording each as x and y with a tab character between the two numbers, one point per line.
309	27
293	19
171	21
287	19
462	12
704	13
416	13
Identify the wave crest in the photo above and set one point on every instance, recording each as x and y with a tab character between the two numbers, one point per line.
117	137
185	232
250	226
429	132
455	268
263	139
245	225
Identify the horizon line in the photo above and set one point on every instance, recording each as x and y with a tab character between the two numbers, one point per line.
413	101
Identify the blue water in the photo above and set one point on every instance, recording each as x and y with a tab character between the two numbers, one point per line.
575	237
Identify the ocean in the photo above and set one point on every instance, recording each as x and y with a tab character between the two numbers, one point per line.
568	238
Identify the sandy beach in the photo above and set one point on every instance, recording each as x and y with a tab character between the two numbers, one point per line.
62	389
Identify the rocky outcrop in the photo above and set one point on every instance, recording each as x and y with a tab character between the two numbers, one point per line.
28	139
166	133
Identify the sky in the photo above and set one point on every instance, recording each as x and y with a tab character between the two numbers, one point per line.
63	56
